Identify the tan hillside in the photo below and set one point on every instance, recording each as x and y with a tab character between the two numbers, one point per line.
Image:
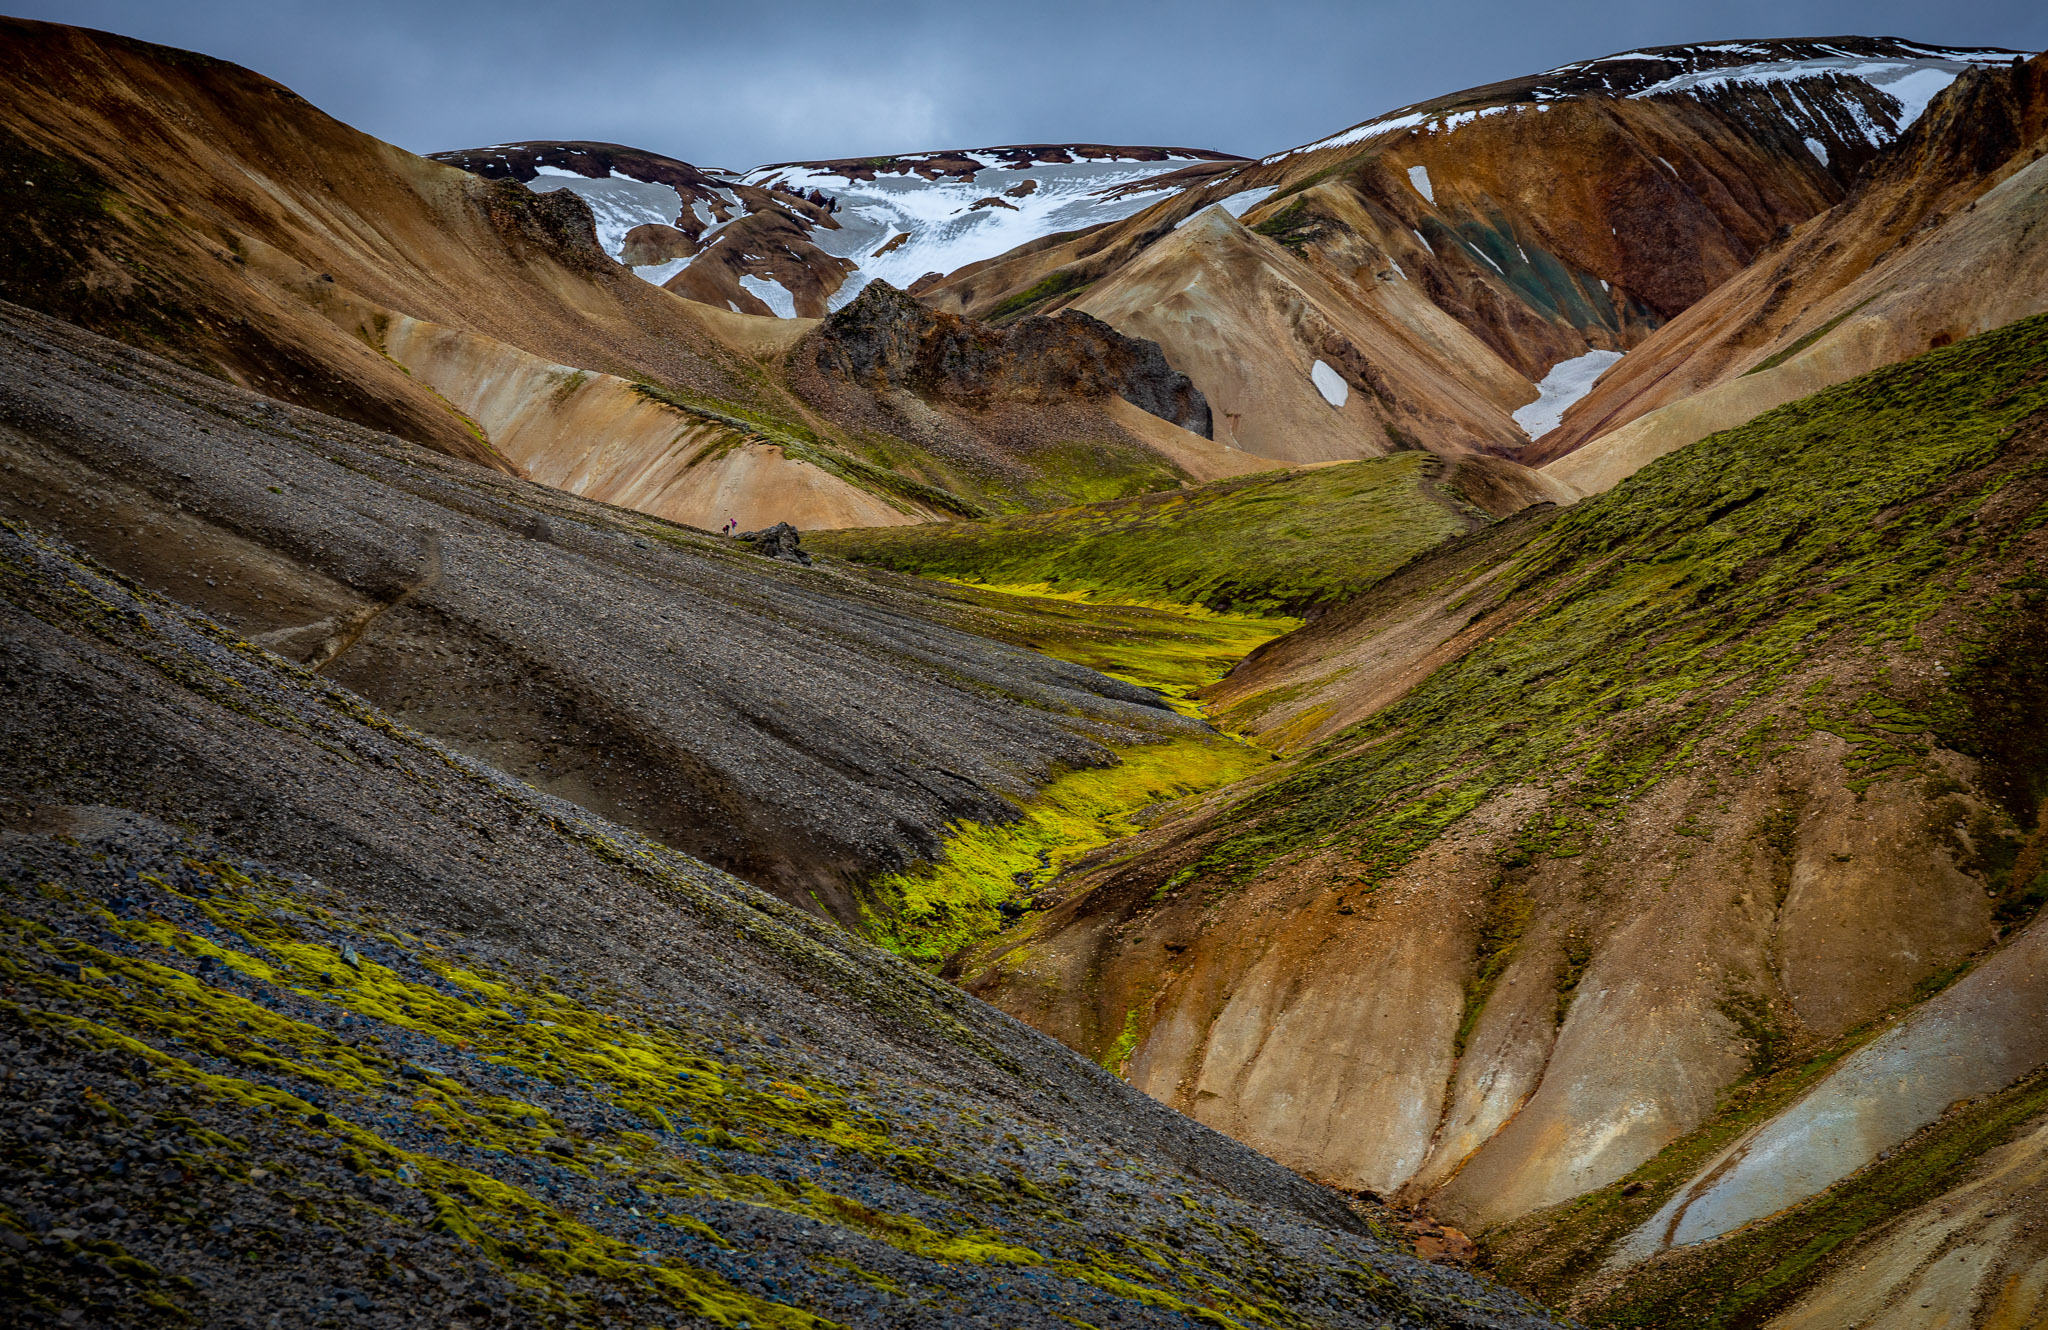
203	211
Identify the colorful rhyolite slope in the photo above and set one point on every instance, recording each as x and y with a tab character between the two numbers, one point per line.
1439	261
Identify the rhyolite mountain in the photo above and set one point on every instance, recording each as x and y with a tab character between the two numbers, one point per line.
444	879
802	238
201	210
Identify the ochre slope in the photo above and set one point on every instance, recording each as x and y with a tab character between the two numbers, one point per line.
1943	240
1644	800
205	212
211	214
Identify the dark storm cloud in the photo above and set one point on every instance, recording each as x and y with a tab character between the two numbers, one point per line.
740	83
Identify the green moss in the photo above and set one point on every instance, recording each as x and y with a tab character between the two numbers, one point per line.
1780	357
1120	1049
1661	615
1297	225
1280	542
801	444
1175	650
933	910
1060	283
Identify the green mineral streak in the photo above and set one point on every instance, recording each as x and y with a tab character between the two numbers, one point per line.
1277	543
932	910
1661	614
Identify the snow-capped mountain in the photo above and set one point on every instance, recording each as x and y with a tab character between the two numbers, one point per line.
802	238
900	218
1823	85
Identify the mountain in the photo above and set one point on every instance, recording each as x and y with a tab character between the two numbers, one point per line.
200	210
799	239
310	1017
1616	852
1942	239
1441	260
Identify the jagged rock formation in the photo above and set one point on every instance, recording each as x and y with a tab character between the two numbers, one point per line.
1610	830
887	341
781	541
307	1016
1942	240
665	678
1569	211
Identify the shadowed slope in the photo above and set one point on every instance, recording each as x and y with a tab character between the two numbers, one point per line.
413	1038
800	727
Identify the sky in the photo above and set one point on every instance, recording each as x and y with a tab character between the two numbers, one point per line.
742	84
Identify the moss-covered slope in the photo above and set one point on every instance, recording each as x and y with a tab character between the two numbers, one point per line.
308	1017
1651	802
1279	543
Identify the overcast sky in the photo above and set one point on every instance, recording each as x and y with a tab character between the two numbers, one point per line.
744	82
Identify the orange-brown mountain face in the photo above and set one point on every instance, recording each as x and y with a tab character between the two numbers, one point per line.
1607	834
206	212
1943	238
1571	211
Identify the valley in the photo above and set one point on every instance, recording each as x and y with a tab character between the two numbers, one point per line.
1442	727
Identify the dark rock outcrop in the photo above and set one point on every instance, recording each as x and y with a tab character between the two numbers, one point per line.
781	541
885	340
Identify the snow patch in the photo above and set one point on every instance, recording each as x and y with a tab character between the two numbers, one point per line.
1567	382
848	289
618	204
1418	176
567	175
946	231
1425	242
1330	384
1913	91
1818	149
774	294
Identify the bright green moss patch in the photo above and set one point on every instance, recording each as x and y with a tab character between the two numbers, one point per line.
932	910
1658	618
1276	543
1172	649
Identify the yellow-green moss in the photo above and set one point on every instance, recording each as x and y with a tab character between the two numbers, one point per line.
932	910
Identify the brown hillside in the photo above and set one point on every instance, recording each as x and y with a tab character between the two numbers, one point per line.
1944	239
1573	210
